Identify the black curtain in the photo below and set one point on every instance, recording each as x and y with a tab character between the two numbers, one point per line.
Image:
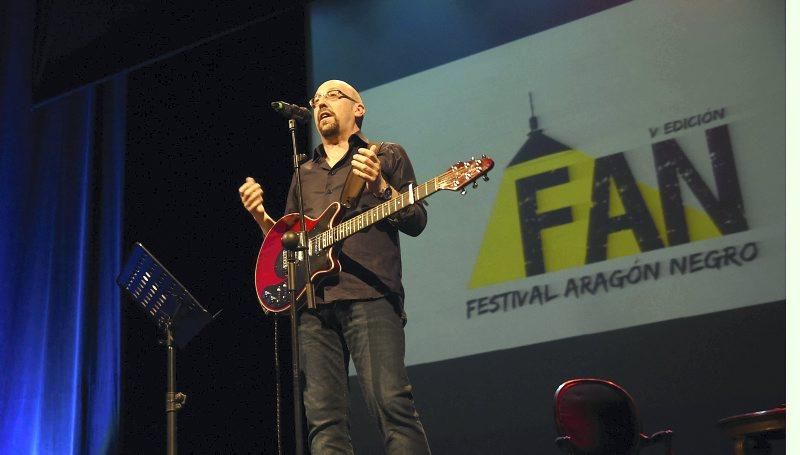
199	122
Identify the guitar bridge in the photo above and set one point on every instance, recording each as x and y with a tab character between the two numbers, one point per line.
285	259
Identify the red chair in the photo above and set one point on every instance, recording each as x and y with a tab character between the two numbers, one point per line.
598	417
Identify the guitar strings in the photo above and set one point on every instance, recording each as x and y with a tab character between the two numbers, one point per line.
325	239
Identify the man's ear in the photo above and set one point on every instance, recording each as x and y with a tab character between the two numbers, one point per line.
359	110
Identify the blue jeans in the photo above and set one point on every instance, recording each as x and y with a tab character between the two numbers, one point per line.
372	333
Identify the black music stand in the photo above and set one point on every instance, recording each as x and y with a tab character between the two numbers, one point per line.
173	309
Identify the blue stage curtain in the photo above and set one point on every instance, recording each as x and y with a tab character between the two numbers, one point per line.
61	183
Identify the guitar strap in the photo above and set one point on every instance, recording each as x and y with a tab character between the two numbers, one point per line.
354	185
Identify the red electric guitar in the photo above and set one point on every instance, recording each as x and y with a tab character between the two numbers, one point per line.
326	231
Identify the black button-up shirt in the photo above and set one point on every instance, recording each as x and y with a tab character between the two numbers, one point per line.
370	258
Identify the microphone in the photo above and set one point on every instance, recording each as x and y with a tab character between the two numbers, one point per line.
292	111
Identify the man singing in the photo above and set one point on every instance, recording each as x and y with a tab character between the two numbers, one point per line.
360	311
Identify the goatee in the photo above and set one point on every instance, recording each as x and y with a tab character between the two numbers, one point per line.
329	129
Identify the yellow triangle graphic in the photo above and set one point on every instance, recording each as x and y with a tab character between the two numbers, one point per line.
501	257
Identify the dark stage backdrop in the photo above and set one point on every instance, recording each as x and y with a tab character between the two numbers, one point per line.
634	226
61	183
82	372
198	124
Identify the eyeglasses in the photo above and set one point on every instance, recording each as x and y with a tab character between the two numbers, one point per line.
333	94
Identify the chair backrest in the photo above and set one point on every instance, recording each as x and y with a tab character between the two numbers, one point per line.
596	417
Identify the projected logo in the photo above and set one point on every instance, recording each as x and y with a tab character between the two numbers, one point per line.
560	208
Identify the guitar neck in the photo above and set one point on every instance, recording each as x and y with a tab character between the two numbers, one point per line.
352	225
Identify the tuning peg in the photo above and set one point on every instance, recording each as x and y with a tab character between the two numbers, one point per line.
475	184
472	159
463	191
485	177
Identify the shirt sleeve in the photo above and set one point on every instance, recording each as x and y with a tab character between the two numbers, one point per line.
399	173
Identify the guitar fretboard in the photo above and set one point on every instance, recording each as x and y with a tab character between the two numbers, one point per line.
349	227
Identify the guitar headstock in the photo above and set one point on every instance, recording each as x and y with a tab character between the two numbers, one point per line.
463	173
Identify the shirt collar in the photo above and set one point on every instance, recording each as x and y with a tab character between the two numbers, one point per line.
357	139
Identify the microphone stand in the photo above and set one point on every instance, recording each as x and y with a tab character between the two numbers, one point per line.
297	245
303	246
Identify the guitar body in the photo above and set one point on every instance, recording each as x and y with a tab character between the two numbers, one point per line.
329	228
271	269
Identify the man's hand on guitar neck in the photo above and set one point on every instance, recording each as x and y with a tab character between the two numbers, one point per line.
252	197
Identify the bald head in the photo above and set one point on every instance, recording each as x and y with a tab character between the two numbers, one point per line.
346	88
